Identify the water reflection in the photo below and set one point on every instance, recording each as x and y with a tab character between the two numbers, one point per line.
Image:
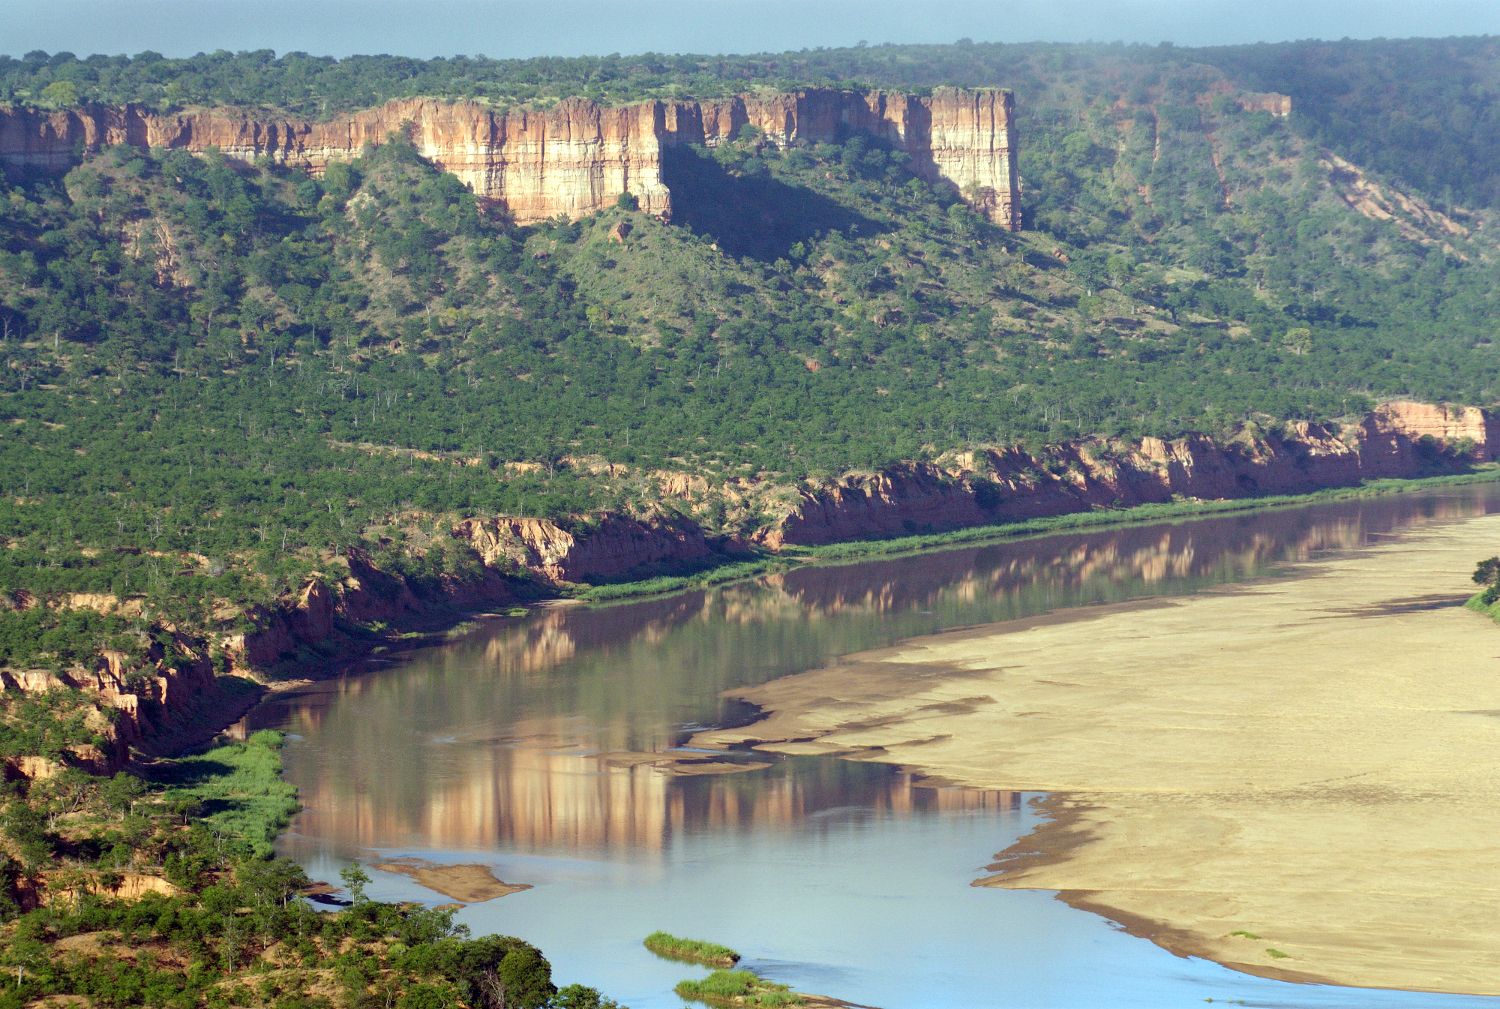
527	734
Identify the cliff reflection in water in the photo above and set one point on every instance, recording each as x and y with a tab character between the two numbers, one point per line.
522	734
533	800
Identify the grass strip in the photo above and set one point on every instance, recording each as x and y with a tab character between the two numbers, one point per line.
237	788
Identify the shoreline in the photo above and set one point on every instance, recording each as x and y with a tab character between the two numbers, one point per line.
858	551
1178	941
1057	833
445	622
1173	802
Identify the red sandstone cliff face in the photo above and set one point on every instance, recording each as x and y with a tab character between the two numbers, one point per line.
573	159
132	703
150	702
1001	486
1469	428
613	547
324	608
965	138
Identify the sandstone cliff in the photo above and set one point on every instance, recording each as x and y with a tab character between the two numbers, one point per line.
964	138
572	159
613	547
132	702
1397	439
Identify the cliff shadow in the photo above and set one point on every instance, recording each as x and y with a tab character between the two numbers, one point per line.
754	216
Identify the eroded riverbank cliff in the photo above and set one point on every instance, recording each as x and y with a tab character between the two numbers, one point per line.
343	612
572	159
1397	439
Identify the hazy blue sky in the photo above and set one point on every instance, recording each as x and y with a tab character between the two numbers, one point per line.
571	27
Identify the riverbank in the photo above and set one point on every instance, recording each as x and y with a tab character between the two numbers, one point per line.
857	551
1296	778
343	652
357	653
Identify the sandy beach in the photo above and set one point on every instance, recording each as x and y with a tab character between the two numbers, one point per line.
1299	778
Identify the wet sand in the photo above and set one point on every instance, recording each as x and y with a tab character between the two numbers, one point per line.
1299	778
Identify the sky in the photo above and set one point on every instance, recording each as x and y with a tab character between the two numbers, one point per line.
507	28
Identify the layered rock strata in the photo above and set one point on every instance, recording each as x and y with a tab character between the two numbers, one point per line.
613	547
963	137
573	159
1397	439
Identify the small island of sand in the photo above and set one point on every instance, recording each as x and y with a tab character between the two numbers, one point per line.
467	884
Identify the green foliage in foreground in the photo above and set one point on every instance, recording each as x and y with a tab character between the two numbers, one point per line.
719	574
1487	599
224	927
1481	603
206	950
739	988
710	954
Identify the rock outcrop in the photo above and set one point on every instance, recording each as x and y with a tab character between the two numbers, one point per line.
572	159
130	701
1467	429
1398	439
609	547
1414	217
1278	105
311	621
961	137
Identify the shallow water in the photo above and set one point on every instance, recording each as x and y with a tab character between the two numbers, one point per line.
845	878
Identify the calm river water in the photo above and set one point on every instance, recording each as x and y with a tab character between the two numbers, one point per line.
843	878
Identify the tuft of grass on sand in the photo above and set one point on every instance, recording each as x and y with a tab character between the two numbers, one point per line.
739	988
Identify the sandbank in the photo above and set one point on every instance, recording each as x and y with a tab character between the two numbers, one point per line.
467	884
1298	778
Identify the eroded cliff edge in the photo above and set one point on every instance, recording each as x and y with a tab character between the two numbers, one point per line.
327	620
573	159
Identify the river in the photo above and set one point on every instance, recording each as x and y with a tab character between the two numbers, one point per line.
519	747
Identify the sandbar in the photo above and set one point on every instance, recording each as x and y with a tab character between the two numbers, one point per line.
467	884
1299	778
